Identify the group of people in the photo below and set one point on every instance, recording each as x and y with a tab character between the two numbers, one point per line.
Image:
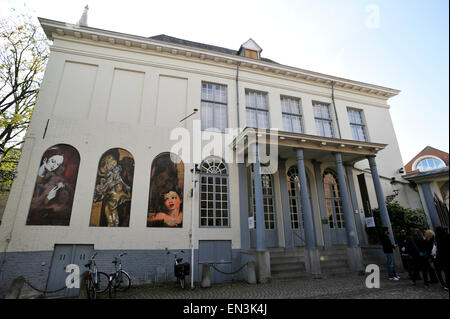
425	256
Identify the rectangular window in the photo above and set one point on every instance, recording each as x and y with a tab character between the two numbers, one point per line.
292	117
324	122
214	107
257	109
357	125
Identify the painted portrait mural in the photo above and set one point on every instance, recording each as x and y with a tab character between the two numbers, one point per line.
165	207
54	190
113	188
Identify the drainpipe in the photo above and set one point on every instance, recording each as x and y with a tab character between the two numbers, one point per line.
237	93
334	106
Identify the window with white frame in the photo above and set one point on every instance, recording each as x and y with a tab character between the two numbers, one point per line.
429	163
214	192
257	109
324	122
214	107
357	125
292	116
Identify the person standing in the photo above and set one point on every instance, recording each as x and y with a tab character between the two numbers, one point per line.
430	262
416	251
443	256
388	249
402	241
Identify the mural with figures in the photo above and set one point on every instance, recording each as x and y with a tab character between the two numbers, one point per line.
54	189
165	208
113	188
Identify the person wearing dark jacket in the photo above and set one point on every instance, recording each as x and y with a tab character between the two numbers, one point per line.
388	249
443	256
430	264
416	248
401	240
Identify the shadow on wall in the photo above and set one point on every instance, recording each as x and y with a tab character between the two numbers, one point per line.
3	201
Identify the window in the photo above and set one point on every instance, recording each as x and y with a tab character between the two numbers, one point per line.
268	200
251	54
214	193
257	109
429	163
324	123
357	125
214	107
295	203
292	118
333	200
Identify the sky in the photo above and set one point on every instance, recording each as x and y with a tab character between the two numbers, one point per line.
401	44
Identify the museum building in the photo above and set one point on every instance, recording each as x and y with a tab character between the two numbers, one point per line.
99	171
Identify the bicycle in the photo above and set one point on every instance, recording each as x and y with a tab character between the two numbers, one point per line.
96	281
181	270
120	280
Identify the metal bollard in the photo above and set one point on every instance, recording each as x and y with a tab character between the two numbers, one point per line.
251	272
206	276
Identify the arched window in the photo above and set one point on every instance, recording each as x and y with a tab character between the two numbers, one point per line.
113	188
54	190
214	193
294	198
333	200
165	207
429	163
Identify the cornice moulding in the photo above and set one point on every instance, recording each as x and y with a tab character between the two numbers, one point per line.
54	28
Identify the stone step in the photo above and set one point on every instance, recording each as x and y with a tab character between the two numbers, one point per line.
288	275
288	267
284	260
333	258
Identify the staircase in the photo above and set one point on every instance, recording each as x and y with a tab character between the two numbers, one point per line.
285	264
334	260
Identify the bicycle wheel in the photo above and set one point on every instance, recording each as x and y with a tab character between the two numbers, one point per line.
124	282
91	294
102	282
182	282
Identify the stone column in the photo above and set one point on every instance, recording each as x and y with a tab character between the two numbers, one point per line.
243	206
262	254
354	254
288	239
312	256
429	201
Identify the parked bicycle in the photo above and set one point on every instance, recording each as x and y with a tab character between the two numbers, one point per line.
180	269
120	280
96	281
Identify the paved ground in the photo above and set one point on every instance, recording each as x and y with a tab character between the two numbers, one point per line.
343	286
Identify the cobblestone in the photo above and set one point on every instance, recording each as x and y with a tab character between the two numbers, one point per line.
343	286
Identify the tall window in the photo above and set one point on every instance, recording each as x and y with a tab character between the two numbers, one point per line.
292	117
333	200
324	122
257	109
268	200
214	107
357	125
214	192
295	204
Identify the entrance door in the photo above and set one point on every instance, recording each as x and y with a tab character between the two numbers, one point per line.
64	255
269	211
335	211
295	206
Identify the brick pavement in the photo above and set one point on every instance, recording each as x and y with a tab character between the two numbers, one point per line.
341	286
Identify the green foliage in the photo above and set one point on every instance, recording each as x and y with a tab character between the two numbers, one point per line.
8	170
24	51
401	218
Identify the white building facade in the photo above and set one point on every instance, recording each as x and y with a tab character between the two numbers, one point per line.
94	173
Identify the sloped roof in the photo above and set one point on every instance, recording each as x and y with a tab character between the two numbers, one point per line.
169	39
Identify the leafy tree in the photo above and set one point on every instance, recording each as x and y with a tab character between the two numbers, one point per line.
401	218
23	55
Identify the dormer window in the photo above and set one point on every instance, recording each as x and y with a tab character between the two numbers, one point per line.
250	49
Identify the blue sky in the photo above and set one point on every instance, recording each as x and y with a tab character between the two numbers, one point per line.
402	44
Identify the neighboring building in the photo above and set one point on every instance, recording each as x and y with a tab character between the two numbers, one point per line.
95	171
428	170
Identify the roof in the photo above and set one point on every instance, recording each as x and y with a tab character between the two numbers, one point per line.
430	173
169	39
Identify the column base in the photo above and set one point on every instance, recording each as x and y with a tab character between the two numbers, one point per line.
355	259
312	261
263	266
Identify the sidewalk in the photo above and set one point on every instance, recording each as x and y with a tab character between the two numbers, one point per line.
343	286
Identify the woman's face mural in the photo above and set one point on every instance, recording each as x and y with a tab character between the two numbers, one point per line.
165	208
113	189
54	190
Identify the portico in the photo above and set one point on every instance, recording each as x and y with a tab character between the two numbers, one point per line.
314	198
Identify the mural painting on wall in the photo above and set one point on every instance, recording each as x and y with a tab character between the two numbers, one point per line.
165	208
54	190
113	188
